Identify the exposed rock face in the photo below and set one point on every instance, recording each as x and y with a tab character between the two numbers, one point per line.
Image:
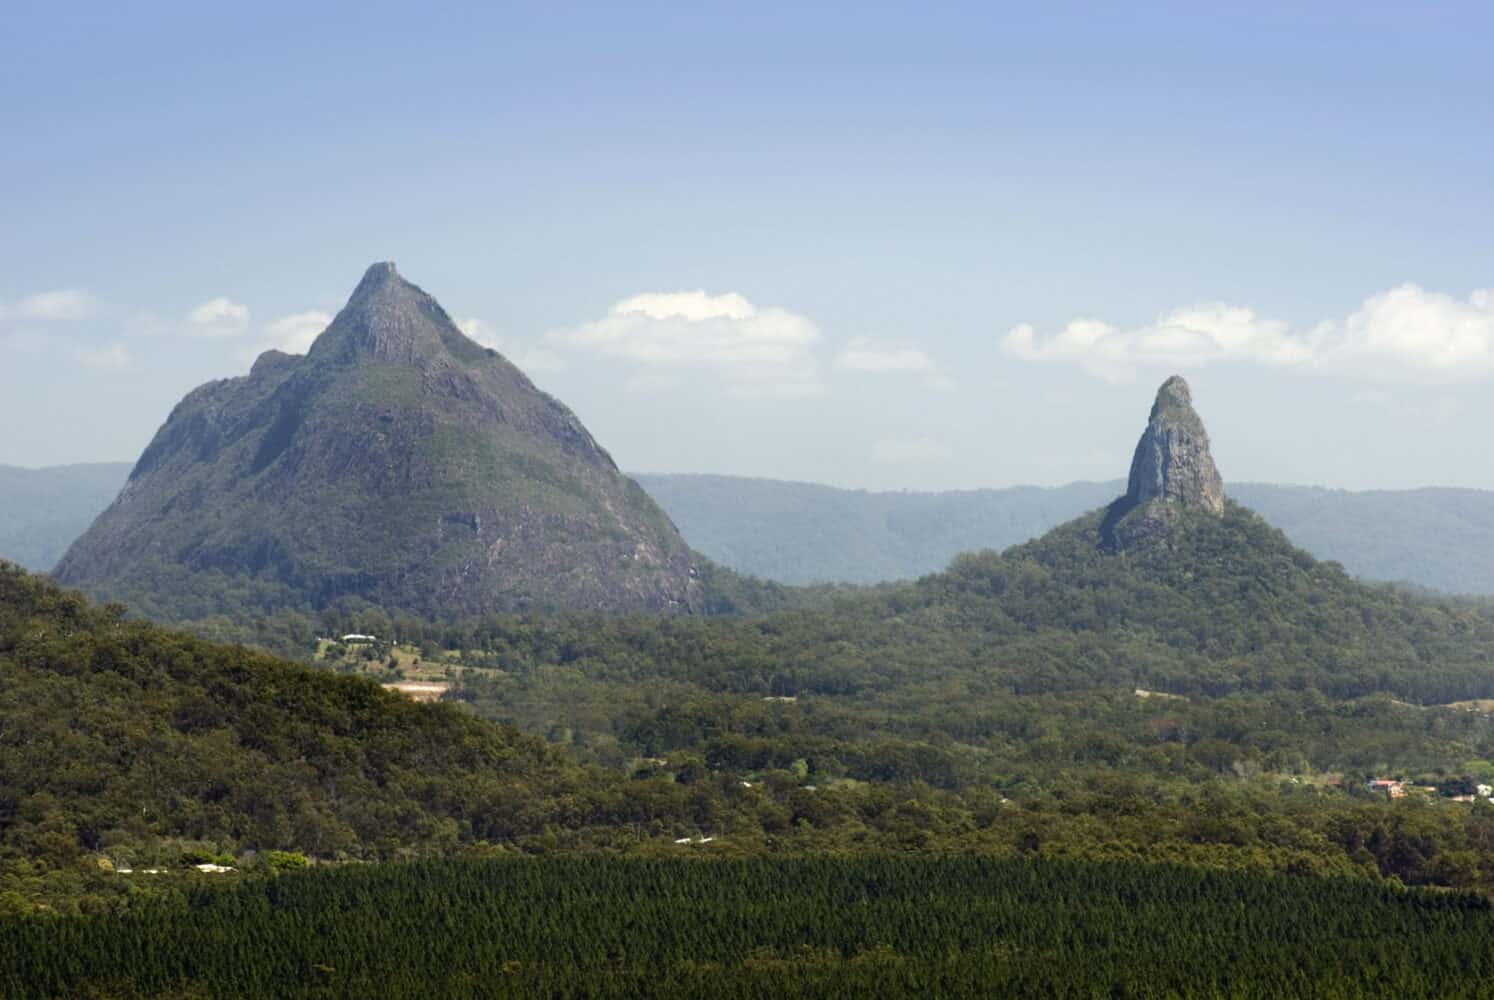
1172	460
397	463
1172	471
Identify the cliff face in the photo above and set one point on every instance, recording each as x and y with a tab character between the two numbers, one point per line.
398	463
1172	472
1172	460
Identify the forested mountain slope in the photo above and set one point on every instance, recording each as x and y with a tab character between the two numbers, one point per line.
1154	640
119	734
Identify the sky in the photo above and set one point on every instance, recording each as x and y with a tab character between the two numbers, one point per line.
918	246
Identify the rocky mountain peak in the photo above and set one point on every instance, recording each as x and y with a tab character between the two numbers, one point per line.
390	319
1172	460
397	463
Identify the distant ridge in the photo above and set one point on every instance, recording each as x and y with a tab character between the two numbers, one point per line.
42	511
398	464
1439	538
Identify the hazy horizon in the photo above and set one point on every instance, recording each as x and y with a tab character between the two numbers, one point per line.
1119	478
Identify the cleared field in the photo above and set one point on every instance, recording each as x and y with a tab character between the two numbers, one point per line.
420	690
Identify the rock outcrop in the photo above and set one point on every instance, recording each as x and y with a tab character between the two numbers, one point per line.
1172	471
397	464
1172	460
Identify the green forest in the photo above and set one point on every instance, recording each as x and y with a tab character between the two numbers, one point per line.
1222	654
1210	698
825	926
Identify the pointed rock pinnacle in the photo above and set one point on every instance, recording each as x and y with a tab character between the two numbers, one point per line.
1172	460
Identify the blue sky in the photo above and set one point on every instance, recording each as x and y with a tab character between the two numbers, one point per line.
887	246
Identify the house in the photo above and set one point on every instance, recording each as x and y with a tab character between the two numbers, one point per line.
1389	786
1484	791
357	637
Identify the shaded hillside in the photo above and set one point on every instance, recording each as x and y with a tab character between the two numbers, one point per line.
398	463
42	511
117	734
797	533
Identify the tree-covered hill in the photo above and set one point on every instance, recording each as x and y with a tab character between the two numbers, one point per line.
1208	651
902	727
118	731
1441	539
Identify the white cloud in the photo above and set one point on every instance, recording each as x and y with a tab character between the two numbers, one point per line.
904	450
864	355
477	330
219	316
293	334
1408	328
694	307
1405	332
62	304
114	357
757	351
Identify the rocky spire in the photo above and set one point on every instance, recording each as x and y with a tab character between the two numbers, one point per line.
389	319
1172	460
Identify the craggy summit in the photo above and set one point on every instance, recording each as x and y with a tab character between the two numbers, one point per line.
398	463
1172	460
1171	469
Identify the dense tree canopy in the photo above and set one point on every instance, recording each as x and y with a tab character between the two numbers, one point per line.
950	927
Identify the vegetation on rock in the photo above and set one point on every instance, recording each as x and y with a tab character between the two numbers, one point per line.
399	464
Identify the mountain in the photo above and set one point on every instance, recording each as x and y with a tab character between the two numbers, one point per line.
1172	460
1171	470
398	463
42	511
797	533
801	533
1132	663
1177	687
